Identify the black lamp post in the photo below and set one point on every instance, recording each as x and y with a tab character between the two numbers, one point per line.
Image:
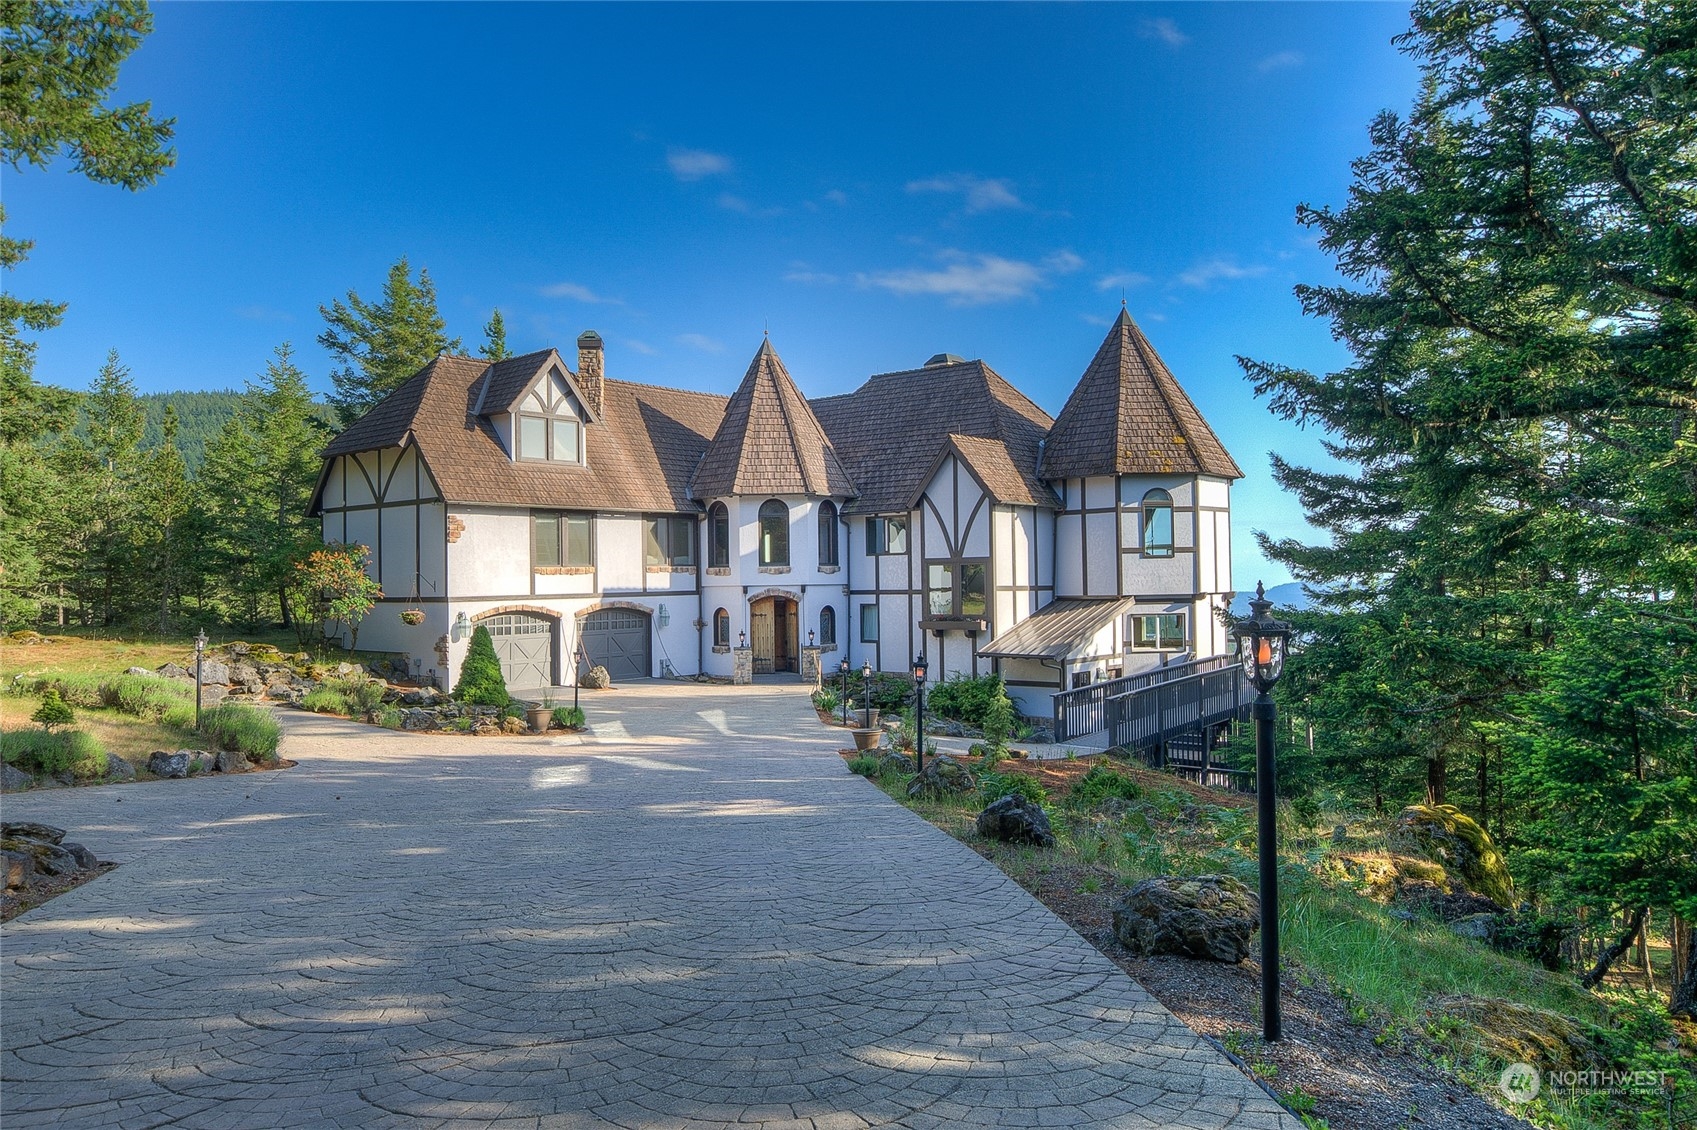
866	692
919	711
199	658
1261	649
843	670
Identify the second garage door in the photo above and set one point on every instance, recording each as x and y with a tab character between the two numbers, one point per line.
617	639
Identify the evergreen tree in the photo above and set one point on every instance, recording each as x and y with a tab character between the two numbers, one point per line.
494	344
164	500
381	344
481	682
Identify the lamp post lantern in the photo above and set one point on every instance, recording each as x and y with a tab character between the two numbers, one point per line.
919	711
866	692
199	659
843	670
1261	643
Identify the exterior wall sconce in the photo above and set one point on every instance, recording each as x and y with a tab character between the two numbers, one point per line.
664	616
742	639
810	635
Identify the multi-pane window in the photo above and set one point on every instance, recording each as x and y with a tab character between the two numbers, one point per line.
827	625
561	539
556	440
721	628
827	533
718	536
1164	631
956	588
1157	524
670	540
774	533
869	623
886	535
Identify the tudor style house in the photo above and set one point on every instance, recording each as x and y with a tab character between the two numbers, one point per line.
656	531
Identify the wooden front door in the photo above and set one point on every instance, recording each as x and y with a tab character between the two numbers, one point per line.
772	634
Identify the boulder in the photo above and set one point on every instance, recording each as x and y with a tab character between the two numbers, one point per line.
597	678
50	859
1518	1033
243	673
163	763
1445	835
30	830
417	718
13	779
138	671
1450	906
214	671
20	869
514	726
942	776
173	671
230	761
1209	917
85	858
117	769
894	762
1475	927
1016	820
201	761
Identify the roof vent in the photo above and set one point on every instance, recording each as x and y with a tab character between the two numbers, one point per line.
944	359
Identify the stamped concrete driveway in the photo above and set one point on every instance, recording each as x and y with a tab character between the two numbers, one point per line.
694	917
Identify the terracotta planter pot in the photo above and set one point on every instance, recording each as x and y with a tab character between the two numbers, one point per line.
868	719
866	739
539	717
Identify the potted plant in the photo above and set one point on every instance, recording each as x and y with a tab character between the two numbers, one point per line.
413	616
540	715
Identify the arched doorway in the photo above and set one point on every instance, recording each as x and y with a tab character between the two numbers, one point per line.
772	622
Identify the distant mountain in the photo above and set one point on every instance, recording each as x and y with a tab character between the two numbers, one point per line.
200	416
1282	596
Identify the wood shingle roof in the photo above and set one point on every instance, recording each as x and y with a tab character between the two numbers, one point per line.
1128	415
769	441
891	430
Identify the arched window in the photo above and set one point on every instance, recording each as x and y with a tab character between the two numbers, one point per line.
774	533
721	628
718	536
827	626
827	533
1157	524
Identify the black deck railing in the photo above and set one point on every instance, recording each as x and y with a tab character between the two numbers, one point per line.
1169	717
1083	710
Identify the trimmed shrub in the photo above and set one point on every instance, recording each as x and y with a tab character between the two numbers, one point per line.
970	701
481	682
995	786
78	690
1100	784
864	764
568	717
145	696
324	700
364	697
42	753
53	711
245	729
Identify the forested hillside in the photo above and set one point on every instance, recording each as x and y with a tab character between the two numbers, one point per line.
200	417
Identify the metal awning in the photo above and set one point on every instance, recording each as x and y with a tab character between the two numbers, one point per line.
1058	630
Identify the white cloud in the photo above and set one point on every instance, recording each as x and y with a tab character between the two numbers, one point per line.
578	293
1164	30
1125	280
693	164
258	313
1096	320
1205	274
981	195
811	278
974	280
701	342
1280	61
641	347
837	196
730	202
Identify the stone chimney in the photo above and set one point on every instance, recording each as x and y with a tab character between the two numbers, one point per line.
591	369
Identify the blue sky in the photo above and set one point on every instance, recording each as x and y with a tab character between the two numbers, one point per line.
874	183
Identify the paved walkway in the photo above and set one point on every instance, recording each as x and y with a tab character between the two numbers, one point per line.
694	917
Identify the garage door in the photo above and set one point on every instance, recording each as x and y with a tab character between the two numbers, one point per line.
525	646
617	639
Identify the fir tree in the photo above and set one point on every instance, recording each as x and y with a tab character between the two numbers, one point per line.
164	500
381	344
494	344
481	682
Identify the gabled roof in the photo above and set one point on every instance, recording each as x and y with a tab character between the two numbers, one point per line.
769	441
639	457
1058	630
1128	415
892	430
506	380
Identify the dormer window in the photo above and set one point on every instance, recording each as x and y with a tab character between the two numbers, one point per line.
549	427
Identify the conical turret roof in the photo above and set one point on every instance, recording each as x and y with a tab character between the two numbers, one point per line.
1128	415
770	442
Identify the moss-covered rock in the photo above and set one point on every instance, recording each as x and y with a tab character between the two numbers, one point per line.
1382	876
1204	916
1447	836
1519	1033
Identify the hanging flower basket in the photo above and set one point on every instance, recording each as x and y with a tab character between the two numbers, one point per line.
414	616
